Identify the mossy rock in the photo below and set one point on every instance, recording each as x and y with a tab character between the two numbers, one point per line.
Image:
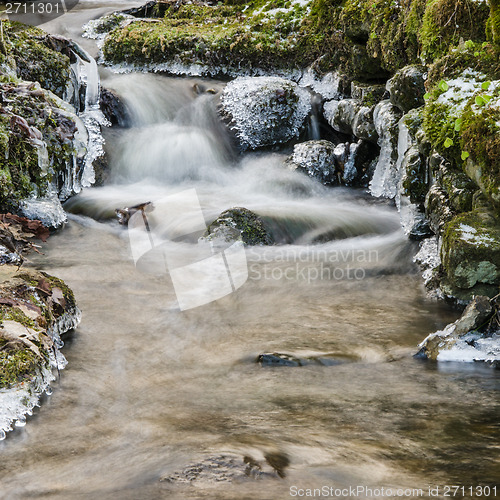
33	114
34	60
407	87
237	223
445	22
31	305
470	250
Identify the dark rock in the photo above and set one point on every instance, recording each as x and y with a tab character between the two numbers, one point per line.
284	359
114	108
368	94
407	88
237	223
415	182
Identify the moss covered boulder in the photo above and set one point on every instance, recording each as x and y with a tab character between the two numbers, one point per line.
39	136
35	310
406	87
264	111
470	253
239	224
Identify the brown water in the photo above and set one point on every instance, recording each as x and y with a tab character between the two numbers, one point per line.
150	390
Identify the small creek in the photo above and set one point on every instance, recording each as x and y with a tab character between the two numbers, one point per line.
150	390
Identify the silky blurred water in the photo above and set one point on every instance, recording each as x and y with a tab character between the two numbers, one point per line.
150	390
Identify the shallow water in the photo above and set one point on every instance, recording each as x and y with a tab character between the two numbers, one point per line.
150	390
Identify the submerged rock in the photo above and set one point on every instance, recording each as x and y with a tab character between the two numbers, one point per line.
35	310
473	337
231	467
286	359
264	111
239	223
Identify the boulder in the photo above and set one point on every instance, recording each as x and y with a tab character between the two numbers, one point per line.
340	114
470	251
114	108
368	94
407	88
35	310
264	111
316	159
239	223
363	126
457	339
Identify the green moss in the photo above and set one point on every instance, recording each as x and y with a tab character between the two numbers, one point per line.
483	123
243	221
470	250
494	22
16	365
15	314
35	62
445	22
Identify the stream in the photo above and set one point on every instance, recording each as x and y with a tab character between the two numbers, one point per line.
151	391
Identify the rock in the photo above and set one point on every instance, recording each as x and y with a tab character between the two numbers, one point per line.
457	186
407	88
368	94
358	167
264	111
363	126
438	346
340	114
231	467
437	208
415	181
237	223
317	160
47	210
35	310
470	251
292	360
114	108
37	157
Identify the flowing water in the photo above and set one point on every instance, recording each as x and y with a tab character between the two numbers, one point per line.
150	391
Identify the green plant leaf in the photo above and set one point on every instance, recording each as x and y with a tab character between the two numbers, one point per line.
458	124
486	98
427	96
443	86
448	143
476	54
469	44
464	155
486	85
479	101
